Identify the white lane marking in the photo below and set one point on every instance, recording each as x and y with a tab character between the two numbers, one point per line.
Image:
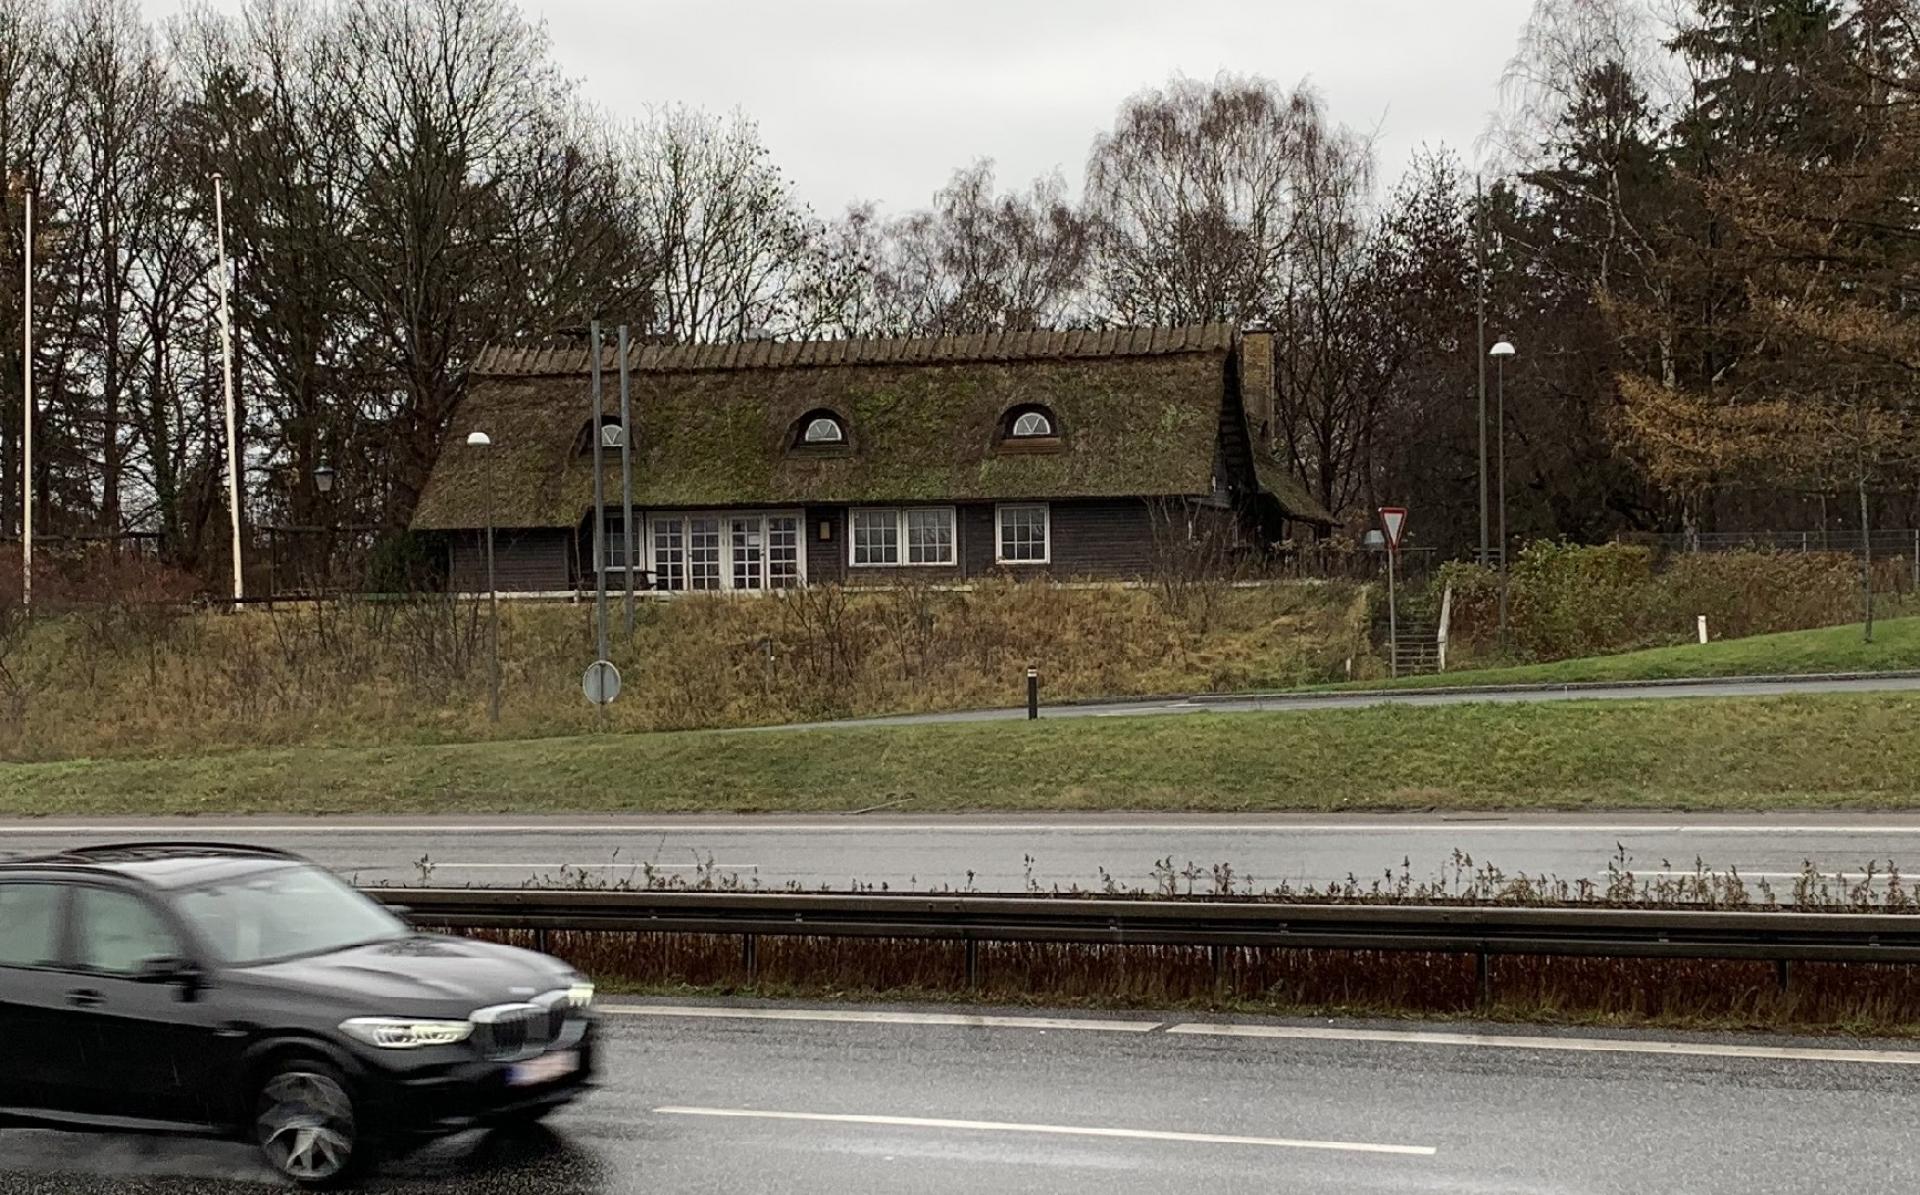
869	1017
1583	1045
852	826
1057	1130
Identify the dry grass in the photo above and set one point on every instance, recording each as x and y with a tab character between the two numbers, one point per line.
1819	997
130	679
1822	997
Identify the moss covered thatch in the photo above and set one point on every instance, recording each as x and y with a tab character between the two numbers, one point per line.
1137	411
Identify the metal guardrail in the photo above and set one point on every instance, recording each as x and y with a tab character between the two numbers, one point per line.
1782	938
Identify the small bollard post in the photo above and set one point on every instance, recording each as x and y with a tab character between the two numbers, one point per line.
1033	692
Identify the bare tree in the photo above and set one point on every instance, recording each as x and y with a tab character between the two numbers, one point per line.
731	242
982	261
119	101
1325	364
1194	198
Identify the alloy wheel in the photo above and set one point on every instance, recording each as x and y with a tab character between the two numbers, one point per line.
305	1126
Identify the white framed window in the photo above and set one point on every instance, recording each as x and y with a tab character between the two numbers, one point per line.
703	552
1032	423
1022	534
874	538
915	535
824	429
783	551
749	555
669	552
613	545
930	536
732	552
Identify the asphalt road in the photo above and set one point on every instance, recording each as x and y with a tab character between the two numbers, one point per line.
1358	699
732	1104
992	852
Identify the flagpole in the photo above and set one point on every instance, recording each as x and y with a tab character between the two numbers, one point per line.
26	419
226	375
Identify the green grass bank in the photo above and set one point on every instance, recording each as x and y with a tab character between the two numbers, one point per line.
1733	754
1895	647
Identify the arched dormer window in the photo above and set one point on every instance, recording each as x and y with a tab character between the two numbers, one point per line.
819	430
1031	423
612	436
1029	426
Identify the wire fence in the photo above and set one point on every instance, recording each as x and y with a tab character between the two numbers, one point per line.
1890	541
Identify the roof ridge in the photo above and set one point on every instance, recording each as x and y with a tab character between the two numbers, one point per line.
1028	344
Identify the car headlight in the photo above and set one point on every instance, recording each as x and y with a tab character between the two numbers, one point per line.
580	993
400	1033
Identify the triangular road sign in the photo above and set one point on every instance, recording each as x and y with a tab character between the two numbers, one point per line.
1392	520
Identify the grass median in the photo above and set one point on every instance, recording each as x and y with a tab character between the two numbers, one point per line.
1733	753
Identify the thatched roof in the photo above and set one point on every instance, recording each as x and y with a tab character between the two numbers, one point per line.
713	425
1277	482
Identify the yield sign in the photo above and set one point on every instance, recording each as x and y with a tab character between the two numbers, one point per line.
1393	519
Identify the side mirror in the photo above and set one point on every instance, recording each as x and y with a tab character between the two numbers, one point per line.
172	969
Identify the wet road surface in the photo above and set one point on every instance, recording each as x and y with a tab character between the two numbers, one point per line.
762	1099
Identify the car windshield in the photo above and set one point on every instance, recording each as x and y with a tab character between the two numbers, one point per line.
284	912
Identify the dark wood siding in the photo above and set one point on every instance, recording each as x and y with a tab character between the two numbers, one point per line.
524	561
976	539
1100	540
826	558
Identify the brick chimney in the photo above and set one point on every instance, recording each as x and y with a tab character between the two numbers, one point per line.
1256	382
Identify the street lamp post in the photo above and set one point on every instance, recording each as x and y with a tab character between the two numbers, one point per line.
484	442
1500	352
323	485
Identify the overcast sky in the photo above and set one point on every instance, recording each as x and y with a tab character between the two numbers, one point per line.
881	99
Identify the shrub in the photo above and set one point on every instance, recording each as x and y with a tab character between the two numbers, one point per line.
1567	600
1760	592
1571	600
407	562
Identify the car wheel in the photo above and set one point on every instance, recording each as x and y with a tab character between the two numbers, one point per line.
304	1124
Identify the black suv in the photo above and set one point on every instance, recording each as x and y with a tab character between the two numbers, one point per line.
233	991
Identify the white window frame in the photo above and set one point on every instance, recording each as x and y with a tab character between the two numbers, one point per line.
606	539
839	435
1046	532
899	514
1046	421
644	546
